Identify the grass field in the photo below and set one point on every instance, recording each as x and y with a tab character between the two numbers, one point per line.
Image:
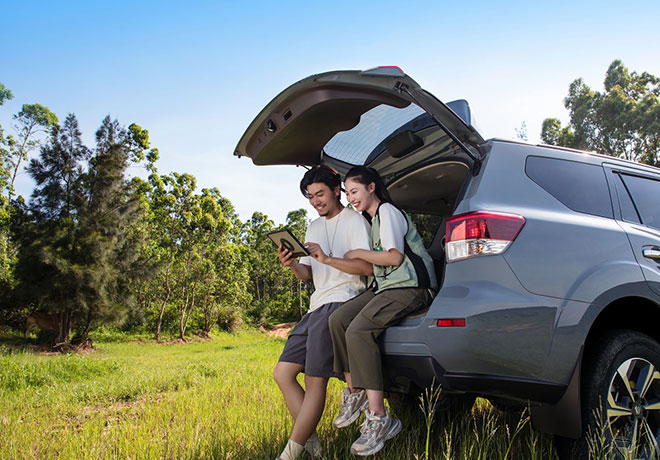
205	399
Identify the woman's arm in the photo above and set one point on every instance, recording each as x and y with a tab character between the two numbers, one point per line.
391	258
352	266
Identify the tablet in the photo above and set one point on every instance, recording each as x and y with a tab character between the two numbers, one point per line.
288	241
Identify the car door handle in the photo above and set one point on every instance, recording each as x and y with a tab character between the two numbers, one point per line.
651	254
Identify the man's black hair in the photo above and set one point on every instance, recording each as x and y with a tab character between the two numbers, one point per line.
320	174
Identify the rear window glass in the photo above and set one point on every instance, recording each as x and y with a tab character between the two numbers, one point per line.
579	186
645	193
356	145
628	212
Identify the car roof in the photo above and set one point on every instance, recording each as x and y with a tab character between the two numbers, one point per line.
580	154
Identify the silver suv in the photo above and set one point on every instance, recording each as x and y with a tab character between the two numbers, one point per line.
549	259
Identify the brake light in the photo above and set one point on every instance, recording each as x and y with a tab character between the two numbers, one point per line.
480	233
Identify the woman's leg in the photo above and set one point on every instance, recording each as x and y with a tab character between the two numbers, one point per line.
362	334
338	323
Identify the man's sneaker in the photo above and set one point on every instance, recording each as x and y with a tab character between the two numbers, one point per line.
375	430
352	404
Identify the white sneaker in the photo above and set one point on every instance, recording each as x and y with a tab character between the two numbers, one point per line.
313	448
375	430
352	404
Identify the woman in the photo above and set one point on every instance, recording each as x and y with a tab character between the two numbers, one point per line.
404	281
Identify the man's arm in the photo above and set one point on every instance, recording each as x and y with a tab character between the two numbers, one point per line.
302	271
352	266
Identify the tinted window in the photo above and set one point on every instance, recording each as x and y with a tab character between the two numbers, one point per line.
581	187
355	145
628	212
645	193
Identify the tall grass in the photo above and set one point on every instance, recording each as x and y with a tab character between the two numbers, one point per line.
213	399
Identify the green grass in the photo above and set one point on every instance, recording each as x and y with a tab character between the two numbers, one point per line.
205	399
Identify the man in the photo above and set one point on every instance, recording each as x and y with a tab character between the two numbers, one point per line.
308	349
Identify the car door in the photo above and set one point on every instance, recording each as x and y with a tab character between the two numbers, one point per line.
345	118
637	192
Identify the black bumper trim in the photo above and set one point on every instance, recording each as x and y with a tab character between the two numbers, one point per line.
401	371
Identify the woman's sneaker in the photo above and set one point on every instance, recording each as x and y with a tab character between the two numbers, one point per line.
375	430
352	405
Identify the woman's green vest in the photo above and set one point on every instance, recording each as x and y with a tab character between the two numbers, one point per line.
416	270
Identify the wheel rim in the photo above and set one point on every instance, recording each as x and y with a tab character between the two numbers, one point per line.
633	409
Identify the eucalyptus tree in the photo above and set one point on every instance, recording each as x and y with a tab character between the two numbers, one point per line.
622	121
172	201
30	123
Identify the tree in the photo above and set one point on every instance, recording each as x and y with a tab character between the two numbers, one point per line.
274	288
622	121
32	120
297	222
49	260
521	133
72	237
106	211
5	172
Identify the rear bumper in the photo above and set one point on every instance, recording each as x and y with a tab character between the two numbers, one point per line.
402	371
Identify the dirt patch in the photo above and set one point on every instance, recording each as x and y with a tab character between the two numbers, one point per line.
279	330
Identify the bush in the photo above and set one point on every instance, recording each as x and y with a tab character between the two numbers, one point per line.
229	319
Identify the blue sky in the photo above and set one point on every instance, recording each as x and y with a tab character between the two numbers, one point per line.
196	74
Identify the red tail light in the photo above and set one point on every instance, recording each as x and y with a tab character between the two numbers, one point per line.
480	233
453	322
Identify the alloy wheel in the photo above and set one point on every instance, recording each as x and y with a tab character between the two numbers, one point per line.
633	409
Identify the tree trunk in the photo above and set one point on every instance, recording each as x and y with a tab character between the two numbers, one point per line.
192	305
164	302
184	308
87	326
64	329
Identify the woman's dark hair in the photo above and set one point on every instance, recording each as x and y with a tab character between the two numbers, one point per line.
322	174
366	176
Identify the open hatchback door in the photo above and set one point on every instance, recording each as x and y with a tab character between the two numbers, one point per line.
379	117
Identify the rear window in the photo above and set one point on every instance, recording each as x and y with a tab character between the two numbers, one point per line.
645	193
628	212
579	186
356	145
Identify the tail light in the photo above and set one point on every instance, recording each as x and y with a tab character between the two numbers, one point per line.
480	233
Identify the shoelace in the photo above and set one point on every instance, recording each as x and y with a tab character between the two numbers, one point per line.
369	420
350	398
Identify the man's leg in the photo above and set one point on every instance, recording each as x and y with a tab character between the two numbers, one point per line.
285	376
310	410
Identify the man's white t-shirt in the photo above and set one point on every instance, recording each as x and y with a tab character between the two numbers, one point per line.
346	231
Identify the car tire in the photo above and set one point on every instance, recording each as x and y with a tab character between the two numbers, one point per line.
620	400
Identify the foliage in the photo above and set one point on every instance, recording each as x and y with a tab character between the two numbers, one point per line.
622	121
278	296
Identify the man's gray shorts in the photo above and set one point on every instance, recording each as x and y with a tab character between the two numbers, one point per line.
309	343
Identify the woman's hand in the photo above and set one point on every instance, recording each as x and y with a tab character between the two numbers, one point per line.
317	253
353	254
